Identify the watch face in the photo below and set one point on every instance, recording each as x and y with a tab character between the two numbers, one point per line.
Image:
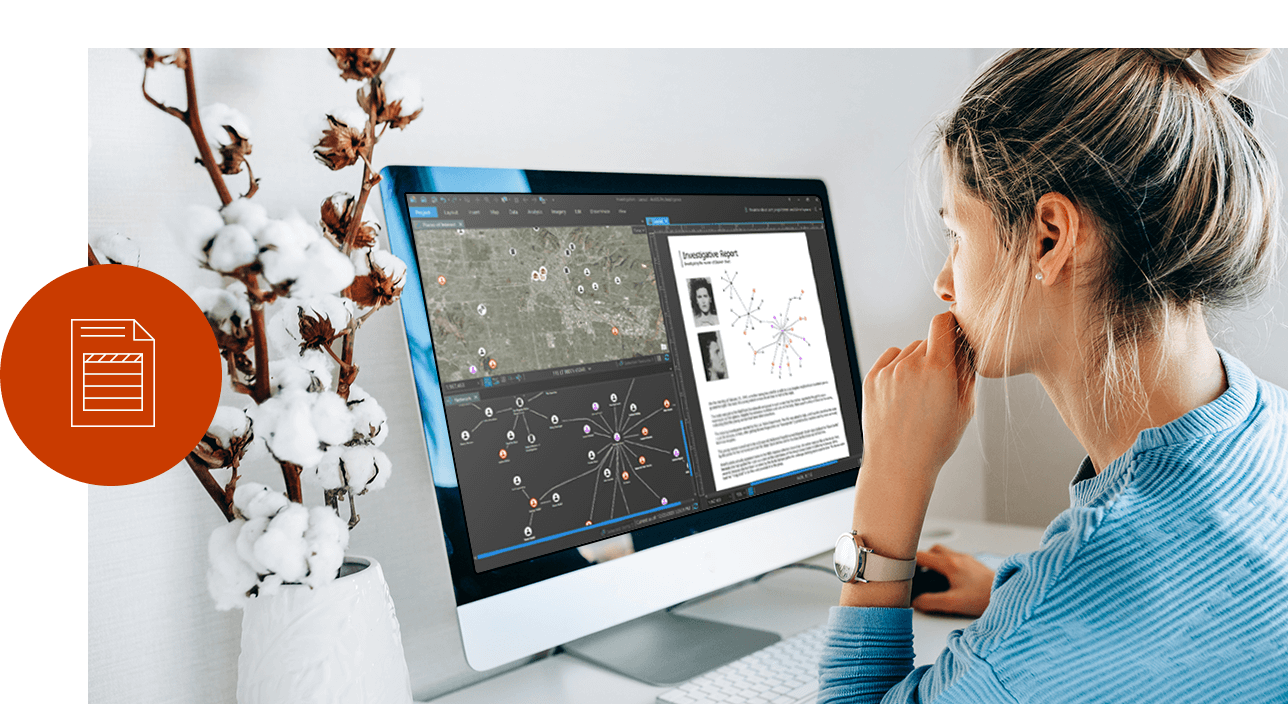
845	559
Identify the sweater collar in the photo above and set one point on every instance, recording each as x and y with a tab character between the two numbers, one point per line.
1226	411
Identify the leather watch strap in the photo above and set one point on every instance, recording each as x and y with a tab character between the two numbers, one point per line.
877	568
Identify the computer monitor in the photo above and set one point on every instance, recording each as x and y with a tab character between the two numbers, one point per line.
634	388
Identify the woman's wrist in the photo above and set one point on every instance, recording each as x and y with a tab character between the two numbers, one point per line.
889	510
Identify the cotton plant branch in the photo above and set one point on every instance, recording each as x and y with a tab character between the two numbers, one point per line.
325	285
191	116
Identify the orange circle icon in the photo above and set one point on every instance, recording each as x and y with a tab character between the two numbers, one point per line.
110	375
644	431
666	403
626	475
491	364
502	454
532	503
442	280
641	459
587	522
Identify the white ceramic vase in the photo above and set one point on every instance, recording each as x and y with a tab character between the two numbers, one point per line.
337	644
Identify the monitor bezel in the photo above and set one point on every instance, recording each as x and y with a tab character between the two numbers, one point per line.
399	181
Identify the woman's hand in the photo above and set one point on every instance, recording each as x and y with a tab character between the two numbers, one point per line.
917	402
969	583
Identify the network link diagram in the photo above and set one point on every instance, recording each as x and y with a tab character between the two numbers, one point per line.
547	463
775	335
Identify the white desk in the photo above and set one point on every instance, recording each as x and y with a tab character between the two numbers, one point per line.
787	602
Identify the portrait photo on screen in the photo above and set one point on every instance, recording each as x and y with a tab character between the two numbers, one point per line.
703	300
713	361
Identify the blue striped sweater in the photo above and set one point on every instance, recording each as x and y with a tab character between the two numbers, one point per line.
1166	580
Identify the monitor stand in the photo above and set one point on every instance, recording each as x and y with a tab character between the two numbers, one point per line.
664	648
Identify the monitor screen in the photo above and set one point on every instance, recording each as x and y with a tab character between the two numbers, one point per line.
610	363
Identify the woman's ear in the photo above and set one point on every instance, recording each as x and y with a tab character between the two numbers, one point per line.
1058	230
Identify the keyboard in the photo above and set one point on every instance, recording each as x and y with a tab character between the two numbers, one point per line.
783	673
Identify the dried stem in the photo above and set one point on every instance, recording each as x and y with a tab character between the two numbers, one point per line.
93	258
347	369
259	331
193	119
291	475
254	185
216	492
369	180
353	513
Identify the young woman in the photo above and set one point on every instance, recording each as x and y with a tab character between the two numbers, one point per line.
704	306
1099	202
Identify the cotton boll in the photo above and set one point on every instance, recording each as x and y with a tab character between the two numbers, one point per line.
350	116
327	538
284	336
320	366
233	247
229	422
247	213
228	578
287	374
393	267
366	467
293	439
196	227
116	249
359	463
227	308
405	87
369	419
282	548
283	266
331	419
327	272
384	468
327	474
215	116
256	500
282	247
250	533
358	257
336	309
220	307
305	233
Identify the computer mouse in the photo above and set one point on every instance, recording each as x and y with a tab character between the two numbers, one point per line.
928	580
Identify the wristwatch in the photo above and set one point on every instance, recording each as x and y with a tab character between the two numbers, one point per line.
855	562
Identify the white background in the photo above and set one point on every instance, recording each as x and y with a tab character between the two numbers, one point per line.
851	118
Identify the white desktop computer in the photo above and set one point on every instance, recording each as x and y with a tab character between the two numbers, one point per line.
635	389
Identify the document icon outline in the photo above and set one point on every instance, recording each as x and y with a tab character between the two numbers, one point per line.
113	368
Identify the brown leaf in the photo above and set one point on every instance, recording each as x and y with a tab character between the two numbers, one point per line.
386	112
336	218
233	155
364	237
355	64
340	144
374	289
403	120
314	332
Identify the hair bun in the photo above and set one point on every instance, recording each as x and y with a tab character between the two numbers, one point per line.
1171	56
1231	64
1223	65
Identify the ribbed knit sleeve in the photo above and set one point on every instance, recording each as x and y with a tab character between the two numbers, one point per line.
1166	580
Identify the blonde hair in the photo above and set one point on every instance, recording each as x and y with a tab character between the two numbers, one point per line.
1163	162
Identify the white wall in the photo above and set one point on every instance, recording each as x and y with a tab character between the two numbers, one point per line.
852	118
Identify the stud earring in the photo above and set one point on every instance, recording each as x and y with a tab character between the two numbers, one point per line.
1038	276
